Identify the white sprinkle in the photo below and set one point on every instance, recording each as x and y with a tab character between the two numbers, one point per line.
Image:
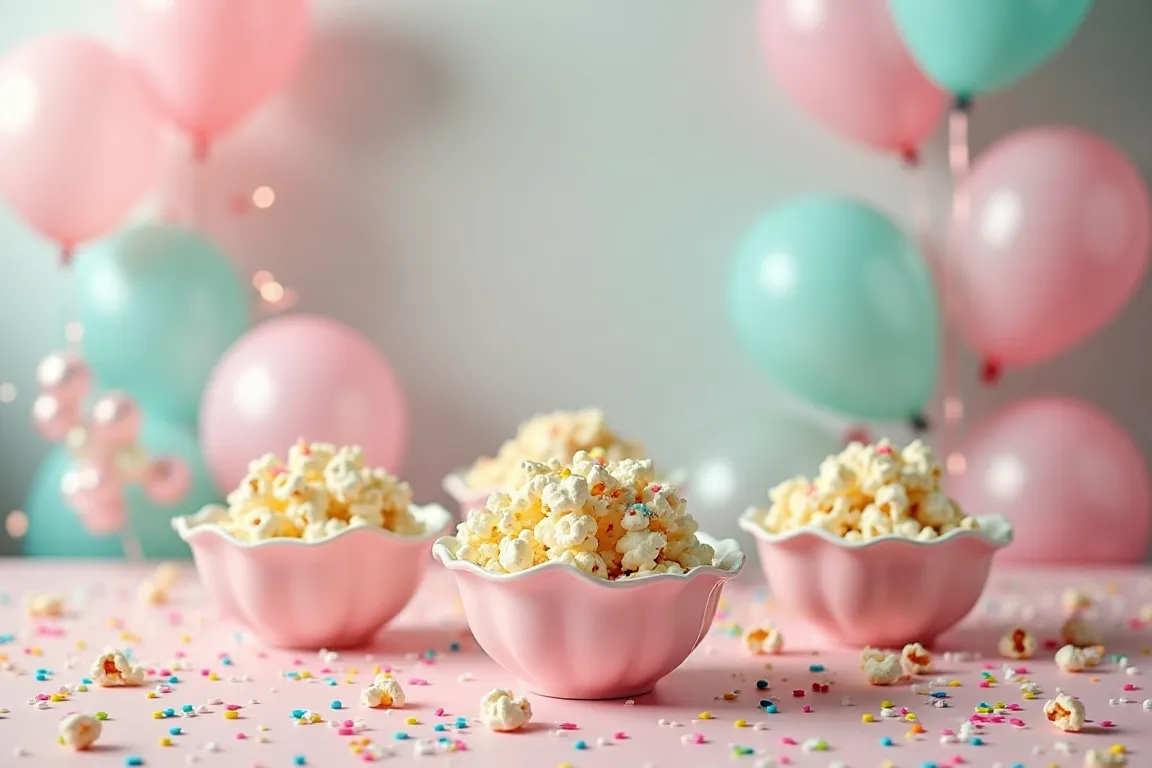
1123	699
948	738
602	742
41	705
211	747
331	656
203	710
1113	702
761	726
686	739
253	701
464	678
214	702
1132	671
19	752
661	721
845	701
559	732
333	723
271	690
630	703
1147	704
1062	746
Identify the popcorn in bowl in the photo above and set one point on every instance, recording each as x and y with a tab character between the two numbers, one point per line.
592	544
342	538
872	551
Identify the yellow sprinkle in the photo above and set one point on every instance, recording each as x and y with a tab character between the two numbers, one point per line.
82	688
1029	696
231	714
1093	679
564	765
867	718
165	742
376	669
999	705
81	644
316	718
886	704
910	716
150	695
565	472
35	651
302	721
157	715
1118	749
352	671
704	716
412	721
60	739
953	683
356	749
741	723
185	639
262	739
305	675
56	697
213	676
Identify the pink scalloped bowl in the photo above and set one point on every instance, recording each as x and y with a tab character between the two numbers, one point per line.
337	592
569	635
469	498
884	592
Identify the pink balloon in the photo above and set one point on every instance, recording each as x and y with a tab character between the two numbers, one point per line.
1074	486
66	376
300	376
54	418
167	480
115	419
79	145
97	497
1055	244
845	63
208	63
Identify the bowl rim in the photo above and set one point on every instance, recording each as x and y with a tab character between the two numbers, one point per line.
727	564
436	520
994	530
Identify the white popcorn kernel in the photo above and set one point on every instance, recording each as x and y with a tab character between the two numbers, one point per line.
79	731
1070	659
1080	632
883	671
916	660
384	692
112	669
500	711
763	640
1065	712
1017	643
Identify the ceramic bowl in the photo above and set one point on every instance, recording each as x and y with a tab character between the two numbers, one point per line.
883	592
332	593
569	635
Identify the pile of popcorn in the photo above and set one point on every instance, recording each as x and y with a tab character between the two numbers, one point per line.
321	491
868	491
548	436
609	519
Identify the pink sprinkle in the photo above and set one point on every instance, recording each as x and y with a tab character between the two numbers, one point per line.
567	726
241	736
1014	707
656	489
175	617
788	741
997	719
164	688
232	707
989	666
205	672
179	654
957	760
1129	687
297	662
1107	724
325	670
439	711
347	731
386	668
903	710
785	760
985	684
619	735
884	450
165	672
1016	722
42	697
807	709
417	681
697	738
1135	624
347	723
150	671
366	757
1021	670
460	746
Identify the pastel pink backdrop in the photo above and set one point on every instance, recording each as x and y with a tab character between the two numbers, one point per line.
1055	245
208	63
846	64
79	145
300	376
1072	483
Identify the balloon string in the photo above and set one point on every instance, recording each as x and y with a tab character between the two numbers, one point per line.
130	544
959	161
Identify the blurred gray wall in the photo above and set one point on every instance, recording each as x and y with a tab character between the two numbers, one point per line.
449	172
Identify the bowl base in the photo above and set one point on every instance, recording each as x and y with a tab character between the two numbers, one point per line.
609	695
335	644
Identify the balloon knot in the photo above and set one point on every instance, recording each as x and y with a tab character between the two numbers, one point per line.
857	435
962	102
910	156
990	371
919	423
67	251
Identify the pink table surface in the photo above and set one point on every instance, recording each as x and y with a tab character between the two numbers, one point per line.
103	610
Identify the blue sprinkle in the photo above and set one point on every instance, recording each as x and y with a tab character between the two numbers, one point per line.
330	681
173	679
461	722
299	760
41	677
984	704
939	695
86	680
581	744
187	708
400	736
226	661
175	731
815	667
133	760
771	709
297	714
444	740
885	741
438	727
291	675
976	741
761	684
337	704
642	509
764	703
454	647
43	671
169	713
429	654
5	639
929	764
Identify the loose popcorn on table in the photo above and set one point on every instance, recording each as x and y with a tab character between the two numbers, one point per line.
1017	643
1065	712
1094	758
916	660
868	491
320	491
1080	632
1075	601
549	436
385	692
113	669
78	731
611	520
44	606
500	711
881	668
761	640
1071	659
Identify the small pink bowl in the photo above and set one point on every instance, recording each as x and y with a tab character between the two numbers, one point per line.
883	592
569	635
333	593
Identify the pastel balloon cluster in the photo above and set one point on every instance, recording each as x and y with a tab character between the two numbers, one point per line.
103	445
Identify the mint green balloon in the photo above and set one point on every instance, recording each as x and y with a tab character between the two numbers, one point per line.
835	304
159	304
977	46
55	530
